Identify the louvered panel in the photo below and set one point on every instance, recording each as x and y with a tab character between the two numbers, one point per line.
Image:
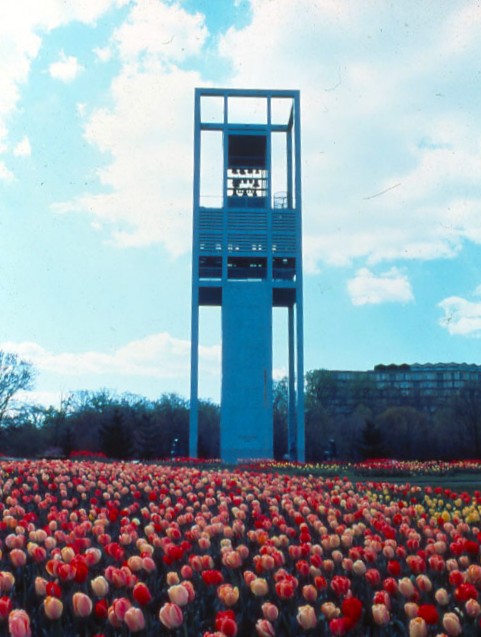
246	220
252	243
210	220
284	243
284	220
210	242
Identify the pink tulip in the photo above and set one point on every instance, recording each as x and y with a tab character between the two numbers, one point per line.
178	594
380	614
82	605
19	624
473	608
18	558
264	628
452	625
171	615
270	611
134	619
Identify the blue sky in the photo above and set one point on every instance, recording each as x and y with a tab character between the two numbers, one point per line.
96	122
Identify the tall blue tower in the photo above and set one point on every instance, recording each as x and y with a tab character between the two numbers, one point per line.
247	259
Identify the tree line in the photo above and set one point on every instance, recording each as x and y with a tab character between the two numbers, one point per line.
130	426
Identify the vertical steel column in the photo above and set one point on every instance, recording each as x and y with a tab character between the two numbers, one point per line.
300	446
194	342
291	414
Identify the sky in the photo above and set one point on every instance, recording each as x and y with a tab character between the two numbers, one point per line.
96	164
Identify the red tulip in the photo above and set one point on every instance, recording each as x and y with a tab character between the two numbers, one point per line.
225	623
429	613
5	607
141	594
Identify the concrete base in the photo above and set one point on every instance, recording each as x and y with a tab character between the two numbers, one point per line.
246	394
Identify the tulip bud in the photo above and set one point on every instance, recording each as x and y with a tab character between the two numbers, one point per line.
264	628
228	594
52	607
359	567
309	592
18	558
270	611
306	617
134	619
411	609
380	614
135	563
5	607
178	594
330	610
417	627
171	615
442	596
19	624
40	584
259	587
99	586
82	605
142	594
452	625
406	587
473	609
172	578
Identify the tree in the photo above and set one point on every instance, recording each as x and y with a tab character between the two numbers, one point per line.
209	429
371	441
467	412
405	430
280	393
15	374
115	442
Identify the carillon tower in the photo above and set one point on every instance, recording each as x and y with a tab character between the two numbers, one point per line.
247	259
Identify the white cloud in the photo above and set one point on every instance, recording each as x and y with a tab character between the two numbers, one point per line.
391	286
161	31
66	69
23	148
461	317
147	133
5	173
383	103
159	356
23	23
104	54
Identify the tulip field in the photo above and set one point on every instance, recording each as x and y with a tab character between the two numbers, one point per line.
92	548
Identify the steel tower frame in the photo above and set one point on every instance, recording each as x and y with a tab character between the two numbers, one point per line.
247	259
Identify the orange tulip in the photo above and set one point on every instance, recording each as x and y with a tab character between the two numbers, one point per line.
52	607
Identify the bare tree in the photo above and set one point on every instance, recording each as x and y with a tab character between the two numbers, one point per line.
15	374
